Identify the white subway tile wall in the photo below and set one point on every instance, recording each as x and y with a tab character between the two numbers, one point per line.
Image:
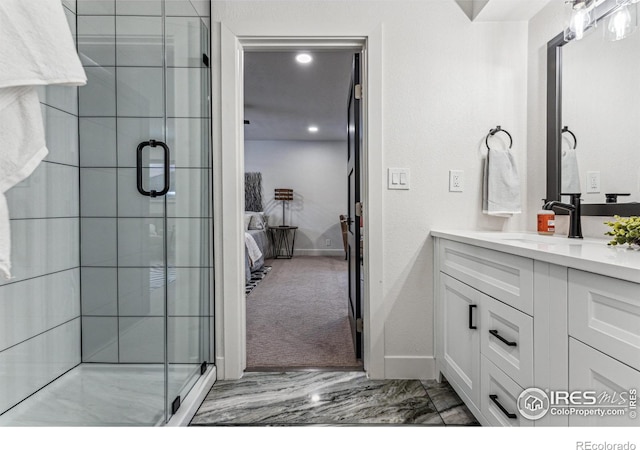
40	306
147	81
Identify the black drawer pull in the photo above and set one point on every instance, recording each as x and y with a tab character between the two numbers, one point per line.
509	343
471	325
494	399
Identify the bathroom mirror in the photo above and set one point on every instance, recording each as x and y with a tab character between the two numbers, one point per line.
593	89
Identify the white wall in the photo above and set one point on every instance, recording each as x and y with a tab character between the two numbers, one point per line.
317	173
542	28
446	82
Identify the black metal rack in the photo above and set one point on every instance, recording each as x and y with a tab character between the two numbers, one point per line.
495	130
566	129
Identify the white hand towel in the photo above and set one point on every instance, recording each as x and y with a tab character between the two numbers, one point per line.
570	172
36	45
252	249
501	184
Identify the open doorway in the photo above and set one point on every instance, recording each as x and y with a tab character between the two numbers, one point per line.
297	215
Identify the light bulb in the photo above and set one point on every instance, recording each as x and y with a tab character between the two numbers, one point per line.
304	58
580	21
620	23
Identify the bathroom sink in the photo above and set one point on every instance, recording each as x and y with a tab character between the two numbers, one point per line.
557	242
533	240
526	238
550	240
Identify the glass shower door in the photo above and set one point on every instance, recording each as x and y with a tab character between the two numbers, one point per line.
145	200
188	203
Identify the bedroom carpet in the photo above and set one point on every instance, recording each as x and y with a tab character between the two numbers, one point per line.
298	316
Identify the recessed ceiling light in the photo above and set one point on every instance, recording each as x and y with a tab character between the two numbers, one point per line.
313	129
304	58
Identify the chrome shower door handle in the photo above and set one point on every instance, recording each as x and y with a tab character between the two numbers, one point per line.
167	161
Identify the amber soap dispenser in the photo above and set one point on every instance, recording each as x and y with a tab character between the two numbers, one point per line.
546	221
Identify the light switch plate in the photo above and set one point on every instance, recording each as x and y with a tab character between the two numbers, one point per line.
399	178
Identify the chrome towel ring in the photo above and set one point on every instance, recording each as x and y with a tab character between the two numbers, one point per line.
495	130
566	129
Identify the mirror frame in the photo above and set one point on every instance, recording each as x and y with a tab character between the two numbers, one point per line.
554	127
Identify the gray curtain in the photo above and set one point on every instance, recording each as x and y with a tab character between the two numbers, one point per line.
253	191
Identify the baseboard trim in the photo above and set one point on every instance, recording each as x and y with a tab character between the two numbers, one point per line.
409	367
194	399
220	367
318	252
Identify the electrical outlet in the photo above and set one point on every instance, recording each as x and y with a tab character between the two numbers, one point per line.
327	242
456	180
593	182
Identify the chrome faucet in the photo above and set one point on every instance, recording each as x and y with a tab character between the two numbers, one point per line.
575	227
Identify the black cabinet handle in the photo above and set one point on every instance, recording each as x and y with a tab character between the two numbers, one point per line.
494	399
167	162
471	325
509	343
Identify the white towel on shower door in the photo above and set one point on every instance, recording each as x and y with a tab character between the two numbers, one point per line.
22	141
36	46
22	147
5	238
501	184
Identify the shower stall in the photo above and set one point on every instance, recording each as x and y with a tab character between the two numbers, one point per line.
109	319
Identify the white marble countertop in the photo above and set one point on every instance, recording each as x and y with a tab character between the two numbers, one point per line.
592	255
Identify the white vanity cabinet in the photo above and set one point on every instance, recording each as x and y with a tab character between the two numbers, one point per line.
484	309
604	340
518	314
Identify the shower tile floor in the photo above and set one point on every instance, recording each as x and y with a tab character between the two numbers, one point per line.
330	398
100	395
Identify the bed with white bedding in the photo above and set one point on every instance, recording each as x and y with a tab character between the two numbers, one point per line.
257	246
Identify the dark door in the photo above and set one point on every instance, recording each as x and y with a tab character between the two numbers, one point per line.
354	246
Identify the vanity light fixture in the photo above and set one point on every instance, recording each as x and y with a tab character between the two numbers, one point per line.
580	19
312	129
304	58
622	22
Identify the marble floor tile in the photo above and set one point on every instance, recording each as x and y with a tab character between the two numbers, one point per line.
132	394
316	398
448	404
101	395
458	415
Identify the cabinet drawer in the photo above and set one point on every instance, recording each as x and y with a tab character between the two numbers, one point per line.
506	339
509	278
591	370
605	313
495	383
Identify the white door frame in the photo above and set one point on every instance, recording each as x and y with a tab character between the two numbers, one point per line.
228	185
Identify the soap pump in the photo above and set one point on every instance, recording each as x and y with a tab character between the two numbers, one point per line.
546	221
